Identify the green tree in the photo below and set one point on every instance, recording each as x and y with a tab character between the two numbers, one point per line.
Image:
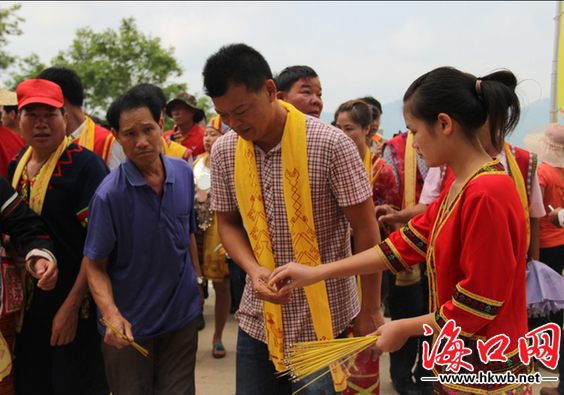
109	63
8	27
28	68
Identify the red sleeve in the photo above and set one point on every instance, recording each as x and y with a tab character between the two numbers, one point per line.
408	246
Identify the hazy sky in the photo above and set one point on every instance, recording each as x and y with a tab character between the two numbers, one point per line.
357	48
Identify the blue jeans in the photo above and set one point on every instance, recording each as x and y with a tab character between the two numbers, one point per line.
256	374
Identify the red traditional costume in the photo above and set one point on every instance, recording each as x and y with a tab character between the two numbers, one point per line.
102	143
10	144
476	270
193	140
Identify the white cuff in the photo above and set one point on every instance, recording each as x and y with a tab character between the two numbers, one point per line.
35	254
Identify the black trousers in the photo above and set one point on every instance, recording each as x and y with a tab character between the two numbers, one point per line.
75	368
407	302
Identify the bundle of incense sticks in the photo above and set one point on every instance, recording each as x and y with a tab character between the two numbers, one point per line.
308	358
152	357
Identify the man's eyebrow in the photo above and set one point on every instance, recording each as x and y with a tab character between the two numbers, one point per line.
235	109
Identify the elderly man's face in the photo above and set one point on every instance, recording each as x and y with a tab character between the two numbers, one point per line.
140	136
43	127
181	113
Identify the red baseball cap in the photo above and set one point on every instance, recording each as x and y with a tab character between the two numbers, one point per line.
39	91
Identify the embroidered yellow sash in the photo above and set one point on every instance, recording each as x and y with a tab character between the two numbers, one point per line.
520	184
36	197
297	198
37	193
408	277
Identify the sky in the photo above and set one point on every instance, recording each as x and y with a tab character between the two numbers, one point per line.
357	48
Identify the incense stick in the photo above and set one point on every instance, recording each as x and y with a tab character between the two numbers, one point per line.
308	358
152	357
270	287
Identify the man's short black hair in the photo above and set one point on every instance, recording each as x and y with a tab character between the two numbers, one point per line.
290	75
237	64
133	99
372	102
151	90
9	109
68	80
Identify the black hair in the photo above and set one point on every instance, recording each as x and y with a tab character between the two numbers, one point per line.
151	90
133	99
470	101
290	75
235	64
372	103
68	80
358	111
9	109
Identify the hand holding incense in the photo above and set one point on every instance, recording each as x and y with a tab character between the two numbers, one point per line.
152	357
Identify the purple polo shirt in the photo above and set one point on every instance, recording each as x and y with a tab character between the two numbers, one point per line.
146	242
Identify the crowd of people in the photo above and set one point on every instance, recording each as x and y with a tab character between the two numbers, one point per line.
308	229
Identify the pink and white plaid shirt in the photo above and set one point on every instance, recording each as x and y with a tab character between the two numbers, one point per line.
337	179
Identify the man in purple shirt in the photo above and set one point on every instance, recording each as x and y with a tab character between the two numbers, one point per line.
141	257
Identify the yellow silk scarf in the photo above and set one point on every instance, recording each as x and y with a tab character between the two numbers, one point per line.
36	197
520	184
408	277
86	138
174	149
299	210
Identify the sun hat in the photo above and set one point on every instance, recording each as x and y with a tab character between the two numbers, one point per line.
190	101
39	91
216	124
8	98
547	141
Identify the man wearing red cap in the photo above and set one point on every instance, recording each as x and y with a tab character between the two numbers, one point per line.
80	127
185	113
57	346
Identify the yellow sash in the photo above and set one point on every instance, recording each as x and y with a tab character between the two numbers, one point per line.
520	184
408	277
174	149
36	197
86	138
297	198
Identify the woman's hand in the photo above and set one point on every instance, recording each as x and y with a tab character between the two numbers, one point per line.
392	336
293	275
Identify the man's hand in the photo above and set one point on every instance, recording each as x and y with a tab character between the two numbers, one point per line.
262	292
47	273
64	325
553	217
122	325
365	323
386	214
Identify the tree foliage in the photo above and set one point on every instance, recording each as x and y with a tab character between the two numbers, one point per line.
109	63
8	27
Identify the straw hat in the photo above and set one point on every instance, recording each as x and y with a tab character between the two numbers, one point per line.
547	141
8	98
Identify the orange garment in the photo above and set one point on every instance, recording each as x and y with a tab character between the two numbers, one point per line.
193	140
552	180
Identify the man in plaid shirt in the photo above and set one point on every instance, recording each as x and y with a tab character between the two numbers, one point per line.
239	81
